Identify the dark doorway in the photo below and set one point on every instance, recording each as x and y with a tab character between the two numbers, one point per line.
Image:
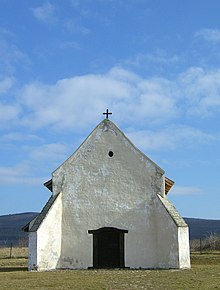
108	247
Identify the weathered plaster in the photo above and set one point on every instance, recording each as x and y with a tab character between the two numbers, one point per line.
32	251
46	241
126	191
184	251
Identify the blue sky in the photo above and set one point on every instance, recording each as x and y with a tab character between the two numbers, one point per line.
155	64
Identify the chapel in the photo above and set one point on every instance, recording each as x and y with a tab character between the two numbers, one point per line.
108	209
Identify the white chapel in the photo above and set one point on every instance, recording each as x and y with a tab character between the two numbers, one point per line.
108	209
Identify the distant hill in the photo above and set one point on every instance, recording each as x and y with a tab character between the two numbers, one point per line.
11	227
201	228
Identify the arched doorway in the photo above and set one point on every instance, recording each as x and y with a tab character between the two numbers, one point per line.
108	247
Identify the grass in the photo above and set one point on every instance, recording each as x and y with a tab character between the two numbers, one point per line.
16	252
205	274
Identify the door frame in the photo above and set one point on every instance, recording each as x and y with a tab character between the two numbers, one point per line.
95	234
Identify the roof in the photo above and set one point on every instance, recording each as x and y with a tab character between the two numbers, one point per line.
28	225
38	220
49	185
168	184
179	221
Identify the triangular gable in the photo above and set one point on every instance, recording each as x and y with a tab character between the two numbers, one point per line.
109	124
168	182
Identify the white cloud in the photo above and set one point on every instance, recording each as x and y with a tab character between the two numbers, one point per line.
69	45
211	35
160	57
74	25
8	113
53	152
136	102
185	190
75	3
37	164
10	55
201	89
168	138
16	136
45	13
142	100
83	98
19	174
6	84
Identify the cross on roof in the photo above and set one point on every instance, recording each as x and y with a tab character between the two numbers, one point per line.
107	113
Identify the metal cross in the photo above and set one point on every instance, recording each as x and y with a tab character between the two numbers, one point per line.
107	113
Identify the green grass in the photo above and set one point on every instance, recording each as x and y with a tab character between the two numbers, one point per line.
205	274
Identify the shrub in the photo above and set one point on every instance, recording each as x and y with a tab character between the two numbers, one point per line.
210	243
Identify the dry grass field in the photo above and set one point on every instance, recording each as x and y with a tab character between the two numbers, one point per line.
205	274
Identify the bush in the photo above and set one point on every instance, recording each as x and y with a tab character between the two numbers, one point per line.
209	243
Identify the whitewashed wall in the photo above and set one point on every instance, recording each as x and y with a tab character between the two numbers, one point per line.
46	242
184	250
32	251
119	191
126	191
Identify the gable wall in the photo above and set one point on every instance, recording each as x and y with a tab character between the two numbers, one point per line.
119	191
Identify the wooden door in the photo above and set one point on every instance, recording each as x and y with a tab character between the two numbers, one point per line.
108	247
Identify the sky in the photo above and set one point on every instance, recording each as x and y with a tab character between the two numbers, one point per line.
154	64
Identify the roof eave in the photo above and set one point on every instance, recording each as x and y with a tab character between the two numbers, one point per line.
49	185
168	184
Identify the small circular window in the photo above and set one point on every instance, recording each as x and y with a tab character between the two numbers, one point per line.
110	153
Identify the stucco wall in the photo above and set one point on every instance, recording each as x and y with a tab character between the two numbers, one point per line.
32	251
125	191
49	238
184	251
167	237
119	191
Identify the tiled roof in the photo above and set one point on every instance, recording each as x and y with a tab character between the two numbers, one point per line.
179	221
